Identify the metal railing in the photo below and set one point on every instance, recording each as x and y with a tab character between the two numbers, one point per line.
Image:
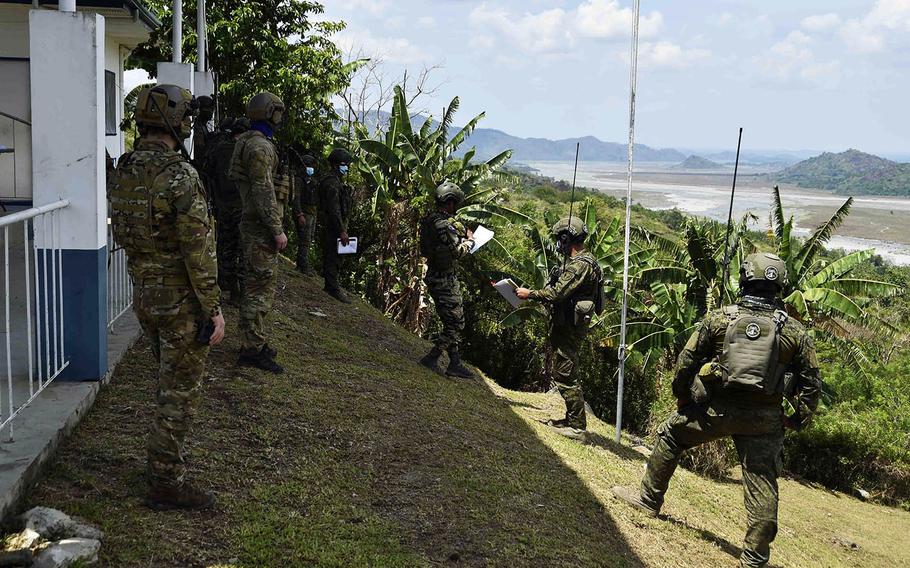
33	321
119	284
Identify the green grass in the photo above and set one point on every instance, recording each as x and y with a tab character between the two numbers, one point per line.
357	456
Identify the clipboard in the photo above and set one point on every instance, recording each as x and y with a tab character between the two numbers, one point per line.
481	237
506	287
350	249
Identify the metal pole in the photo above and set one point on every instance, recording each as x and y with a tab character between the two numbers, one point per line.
200	35
628	237
723	280
6	293
177	33
28	311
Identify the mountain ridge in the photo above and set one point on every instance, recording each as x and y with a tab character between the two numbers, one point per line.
849	172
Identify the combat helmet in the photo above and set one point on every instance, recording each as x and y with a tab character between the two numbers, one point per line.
166	107
449	191
240	125
226	124
265	107
763	267
206	106
569	229
339	156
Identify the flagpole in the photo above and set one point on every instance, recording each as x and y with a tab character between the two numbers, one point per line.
628	237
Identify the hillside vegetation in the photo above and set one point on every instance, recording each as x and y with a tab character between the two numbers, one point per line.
694	162
850	173
357	456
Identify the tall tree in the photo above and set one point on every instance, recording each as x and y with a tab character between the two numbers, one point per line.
256	45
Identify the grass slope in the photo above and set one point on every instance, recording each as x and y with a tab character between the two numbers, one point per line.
357	456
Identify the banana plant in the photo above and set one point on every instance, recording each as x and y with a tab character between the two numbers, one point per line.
819	291
402	166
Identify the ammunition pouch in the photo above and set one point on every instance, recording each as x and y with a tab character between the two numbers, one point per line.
583	312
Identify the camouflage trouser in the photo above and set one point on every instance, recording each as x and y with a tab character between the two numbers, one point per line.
259	268
229	250
758	435
331	260
305	236
168	316
566	341
446	294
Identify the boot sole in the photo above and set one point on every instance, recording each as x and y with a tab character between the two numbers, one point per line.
435	368
253	365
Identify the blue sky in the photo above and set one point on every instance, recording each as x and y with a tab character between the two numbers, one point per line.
821	75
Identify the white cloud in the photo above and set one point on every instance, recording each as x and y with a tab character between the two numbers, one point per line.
793	60
481	42
821	22
374	7
668	54
888	20
545	32
391	49
606	19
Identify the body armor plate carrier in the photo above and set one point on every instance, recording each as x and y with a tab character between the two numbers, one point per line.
751	354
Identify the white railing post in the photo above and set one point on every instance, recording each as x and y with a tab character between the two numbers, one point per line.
44	289
9	360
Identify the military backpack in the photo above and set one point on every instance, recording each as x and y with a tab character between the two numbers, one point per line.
750	360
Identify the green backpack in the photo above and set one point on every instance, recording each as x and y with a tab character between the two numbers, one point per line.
751	354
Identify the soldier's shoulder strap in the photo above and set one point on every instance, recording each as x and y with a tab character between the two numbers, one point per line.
592	262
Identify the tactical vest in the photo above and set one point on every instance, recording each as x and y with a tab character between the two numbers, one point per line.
589	300
142	217
750	360
437	252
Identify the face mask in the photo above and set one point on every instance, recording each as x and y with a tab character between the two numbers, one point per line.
310	171
343	169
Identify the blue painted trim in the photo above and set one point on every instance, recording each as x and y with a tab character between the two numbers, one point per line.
85	314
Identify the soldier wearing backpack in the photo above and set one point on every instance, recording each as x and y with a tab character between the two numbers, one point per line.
730	382
574	294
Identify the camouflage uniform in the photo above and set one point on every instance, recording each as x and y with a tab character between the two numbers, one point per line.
305	202
753	420
443	241
264	190
579	281
336	199
228	213
159	217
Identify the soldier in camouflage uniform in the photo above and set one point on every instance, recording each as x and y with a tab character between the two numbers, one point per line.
202	135
264	190
443	240
336	199
159	217
734	366
304	205
228	207
574	294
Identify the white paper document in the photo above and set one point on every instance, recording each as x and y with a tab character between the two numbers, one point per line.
481	237
507	288
350	249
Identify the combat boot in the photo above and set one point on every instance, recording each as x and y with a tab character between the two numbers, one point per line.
262	359
431	360
456	368
632	497
338	295
185	496
270	350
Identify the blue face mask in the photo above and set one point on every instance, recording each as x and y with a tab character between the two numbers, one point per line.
310	171
343	169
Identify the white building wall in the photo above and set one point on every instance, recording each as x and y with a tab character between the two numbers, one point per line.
70	166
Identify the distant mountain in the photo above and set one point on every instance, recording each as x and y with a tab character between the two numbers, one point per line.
697	163
490	142
851	172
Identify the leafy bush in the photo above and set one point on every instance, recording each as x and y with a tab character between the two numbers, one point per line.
862	440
